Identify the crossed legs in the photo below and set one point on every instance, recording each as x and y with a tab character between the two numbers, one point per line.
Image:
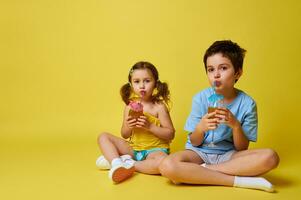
184	167
114	147
248	163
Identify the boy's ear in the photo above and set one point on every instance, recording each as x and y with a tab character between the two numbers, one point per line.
238	74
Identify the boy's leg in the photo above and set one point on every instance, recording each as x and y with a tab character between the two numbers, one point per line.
151	164
184	167
248	163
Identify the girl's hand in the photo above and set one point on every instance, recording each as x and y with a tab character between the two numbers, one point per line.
208	122
142	122
131	122
225	116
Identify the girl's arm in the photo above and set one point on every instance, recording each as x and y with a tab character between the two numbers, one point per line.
127	124
166	131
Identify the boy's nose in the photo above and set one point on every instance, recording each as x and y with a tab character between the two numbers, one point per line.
217	74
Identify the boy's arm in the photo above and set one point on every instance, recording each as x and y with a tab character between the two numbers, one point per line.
208	122
240	141
246	130
197	137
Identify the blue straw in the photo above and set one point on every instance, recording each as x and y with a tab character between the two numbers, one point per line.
215	97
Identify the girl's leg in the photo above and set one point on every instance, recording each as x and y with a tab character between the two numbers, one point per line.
248	163
151	164
184	167
113	147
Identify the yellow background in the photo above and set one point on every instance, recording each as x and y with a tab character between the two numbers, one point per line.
62	63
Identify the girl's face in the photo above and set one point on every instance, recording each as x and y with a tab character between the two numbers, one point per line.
143	83
220	72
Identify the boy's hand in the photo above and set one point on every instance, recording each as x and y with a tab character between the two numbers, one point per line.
225	116
131	122
208	122
142	122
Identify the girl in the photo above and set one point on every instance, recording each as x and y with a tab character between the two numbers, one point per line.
146	137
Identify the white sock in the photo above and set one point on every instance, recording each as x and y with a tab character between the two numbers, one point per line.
204	165
258	183
127	159
116	161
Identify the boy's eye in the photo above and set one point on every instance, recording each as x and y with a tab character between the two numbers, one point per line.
224	67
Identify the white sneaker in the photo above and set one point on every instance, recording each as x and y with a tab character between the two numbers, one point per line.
102	163
121	172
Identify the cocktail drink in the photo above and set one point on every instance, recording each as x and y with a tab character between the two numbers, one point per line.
213	108
215	101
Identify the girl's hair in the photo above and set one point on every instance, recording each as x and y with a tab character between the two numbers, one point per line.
162	93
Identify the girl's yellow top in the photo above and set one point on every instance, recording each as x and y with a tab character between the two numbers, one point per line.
144	140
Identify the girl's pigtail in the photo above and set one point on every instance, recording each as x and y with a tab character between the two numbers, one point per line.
163	92
125	92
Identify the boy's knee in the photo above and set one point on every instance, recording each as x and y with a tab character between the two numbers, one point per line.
167	167
271	158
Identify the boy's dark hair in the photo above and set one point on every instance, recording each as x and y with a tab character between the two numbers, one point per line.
228	49
162	87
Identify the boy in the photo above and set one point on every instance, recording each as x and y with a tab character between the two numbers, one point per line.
228	161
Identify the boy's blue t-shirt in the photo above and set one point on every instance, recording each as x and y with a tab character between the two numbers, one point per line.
243	108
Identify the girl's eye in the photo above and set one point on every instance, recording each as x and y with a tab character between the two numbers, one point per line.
147	81
136	81
210	69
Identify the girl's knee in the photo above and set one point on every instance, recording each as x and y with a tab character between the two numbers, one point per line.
103	136
155	159
159	159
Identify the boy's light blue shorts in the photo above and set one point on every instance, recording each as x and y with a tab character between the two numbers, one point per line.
141	155
210	158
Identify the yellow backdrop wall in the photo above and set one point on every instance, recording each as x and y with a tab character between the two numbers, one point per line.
62	64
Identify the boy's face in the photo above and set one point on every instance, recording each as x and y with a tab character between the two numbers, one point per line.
221	72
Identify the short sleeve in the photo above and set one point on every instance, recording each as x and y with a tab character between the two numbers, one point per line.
250	122
197	112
